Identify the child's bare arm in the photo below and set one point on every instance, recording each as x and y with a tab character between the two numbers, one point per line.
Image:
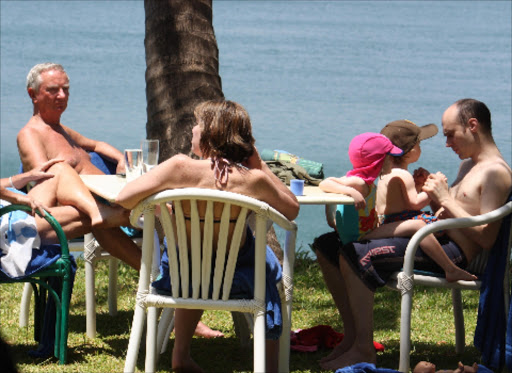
348	186
415	200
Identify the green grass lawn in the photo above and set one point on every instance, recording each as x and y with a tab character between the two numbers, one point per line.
432	327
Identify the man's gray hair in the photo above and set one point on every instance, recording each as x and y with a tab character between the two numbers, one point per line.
34	75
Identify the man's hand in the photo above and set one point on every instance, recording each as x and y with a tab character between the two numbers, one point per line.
120	168
436	186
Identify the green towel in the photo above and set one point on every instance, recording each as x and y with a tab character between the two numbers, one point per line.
314	169
287	171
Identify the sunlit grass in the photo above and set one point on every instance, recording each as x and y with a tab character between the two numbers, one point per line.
432	327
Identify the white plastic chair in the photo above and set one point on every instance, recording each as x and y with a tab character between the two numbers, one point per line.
199	255
405	280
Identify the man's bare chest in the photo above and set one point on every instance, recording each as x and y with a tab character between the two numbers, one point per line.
467	192
59	145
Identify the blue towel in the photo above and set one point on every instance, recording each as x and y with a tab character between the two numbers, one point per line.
493	333
370	368
365	368
243	284
106	166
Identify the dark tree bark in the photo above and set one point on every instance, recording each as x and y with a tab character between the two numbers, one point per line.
182	69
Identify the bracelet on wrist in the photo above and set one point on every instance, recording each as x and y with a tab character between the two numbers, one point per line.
12	184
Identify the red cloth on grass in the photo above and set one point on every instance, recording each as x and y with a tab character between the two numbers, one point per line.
309	340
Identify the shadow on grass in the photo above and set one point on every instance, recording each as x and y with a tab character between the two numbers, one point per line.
106	325
213	355
443	352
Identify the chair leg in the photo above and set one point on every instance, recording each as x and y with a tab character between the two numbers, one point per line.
151	340
165	328
405	331
25	304
458	315
259	353
135	336
90	246
112	286
67	285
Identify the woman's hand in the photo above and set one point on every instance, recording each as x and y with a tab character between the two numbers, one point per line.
39	173
254	161
27	200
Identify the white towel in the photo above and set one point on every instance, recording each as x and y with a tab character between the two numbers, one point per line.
18	236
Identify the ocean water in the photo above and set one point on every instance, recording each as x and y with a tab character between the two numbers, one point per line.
312	74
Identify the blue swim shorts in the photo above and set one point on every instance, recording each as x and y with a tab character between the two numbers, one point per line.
376	260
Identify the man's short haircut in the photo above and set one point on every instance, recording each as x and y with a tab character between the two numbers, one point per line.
471	108
34	76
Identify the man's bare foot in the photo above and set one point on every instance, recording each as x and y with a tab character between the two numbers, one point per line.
459	274
203	330
186	366
352	356
337	351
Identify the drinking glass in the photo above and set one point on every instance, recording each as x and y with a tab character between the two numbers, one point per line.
149	154
133	162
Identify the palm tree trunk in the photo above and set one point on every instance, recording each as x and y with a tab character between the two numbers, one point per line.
182	69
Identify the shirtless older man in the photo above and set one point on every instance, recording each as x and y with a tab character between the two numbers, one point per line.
44	138
483	184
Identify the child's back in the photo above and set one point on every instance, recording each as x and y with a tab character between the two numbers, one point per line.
396	192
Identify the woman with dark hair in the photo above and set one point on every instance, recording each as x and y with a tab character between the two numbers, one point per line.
228	161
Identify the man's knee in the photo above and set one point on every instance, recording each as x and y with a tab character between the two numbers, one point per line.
61	167
326	247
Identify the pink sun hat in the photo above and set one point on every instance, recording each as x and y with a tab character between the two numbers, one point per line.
367	152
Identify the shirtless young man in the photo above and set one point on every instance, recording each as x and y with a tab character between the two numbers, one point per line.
44	138
483	184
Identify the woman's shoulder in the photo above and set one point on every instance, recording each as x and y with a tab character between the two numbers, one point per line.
184	161
180	158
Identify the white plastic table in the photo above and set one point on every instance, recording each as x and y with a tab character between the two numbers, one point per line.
109	186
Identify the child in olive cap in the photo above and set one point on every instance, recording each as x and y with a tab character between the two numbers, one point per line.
400	199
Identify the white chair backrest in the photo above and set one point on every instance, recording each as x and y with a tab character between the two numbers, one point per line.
190	266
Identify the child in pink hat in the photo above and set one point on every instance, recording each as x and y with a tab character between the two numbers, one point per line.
367	153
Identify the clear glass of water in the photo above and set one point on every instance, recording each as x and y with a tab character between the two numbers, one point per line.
133	162
150	151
